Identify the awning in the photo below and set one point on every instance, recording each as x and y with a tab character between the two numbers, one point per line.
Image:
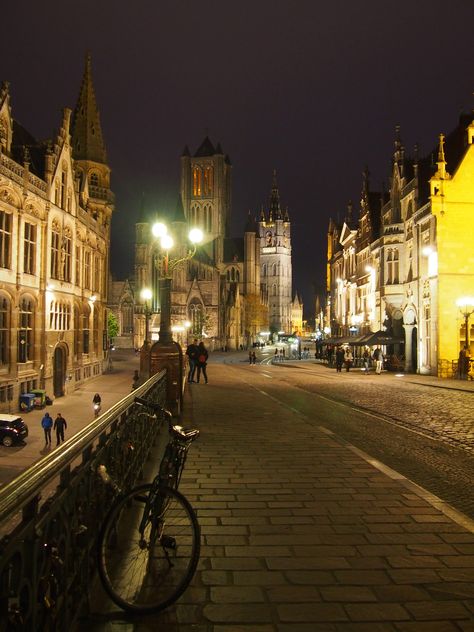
343	340
381	338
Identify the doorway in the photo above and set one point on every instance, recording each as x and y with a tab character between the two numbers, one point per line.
59	371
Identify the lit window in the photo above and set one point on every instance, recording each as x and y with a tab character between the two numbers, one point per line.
5	239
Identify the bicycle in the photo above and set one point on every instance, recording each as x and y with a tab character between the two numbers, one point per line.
149	544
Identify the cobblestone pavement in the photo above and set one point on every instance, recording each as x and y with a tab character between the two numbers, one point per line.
427	405
301	532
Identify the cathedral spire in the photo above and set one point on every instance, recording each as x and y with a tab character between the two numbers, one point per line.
275	209
87	142
441	173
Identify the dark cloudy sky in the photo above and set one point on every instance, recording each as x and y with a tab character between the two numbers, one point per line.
311	88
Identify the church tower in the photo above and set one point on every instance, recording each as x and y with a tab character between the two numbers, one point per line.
275	257
206	195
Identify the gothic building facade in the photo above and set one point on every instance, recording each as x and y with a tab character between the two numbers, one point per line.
225	292
397	273
55	213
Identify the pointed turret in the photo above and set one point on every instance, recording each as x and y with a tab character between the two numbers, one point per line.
262	214
275	209
87	142
186	151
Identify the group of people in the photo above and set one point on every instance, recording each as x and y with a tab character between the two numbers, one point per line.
197	358
59	426
345	357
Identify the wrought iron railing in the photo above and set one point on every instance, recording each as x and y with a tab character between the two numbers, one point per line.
51	514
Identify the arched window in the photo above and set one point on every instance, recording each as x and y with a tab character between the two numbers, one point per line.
55	250
29	248
264	270
232	274
237	276
95	332
5	239
274	289
77	332
228	275
274	269
196	316
197	190
94	179
66	251
4	330
85	329
25	330
208	181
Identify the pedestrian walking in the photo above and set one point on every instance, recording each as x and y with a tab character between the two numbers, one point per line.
59	425
202	362
250	357
275	356
47	424
348	358
254	357
339	359
192	352
378	357
366	359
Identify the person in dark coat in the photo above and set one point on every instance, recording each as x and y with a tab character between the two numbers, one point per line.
339	359
202	357
59	425
192	352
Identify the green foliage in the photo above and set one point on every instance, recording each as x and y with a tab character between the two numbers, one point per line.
112	325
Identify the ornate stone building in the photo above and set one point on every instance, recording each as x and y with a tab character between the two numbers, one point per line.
55	213
396	273
218	294
275	234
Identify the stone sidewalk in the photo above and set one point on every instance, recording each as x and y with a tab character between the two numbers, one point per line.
303	533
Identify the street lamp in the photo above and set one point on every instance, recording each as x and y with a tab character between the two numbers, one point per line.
167	265
466	307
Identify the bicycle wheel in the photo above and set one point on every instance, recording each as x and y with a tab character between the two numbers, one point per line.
148	573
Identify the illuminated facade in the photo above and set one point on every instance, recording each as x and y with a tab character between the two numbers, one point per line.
55	212
218	294
399	270
275	235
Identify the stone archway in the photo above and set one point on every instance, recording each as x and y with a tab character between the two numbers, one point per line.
411	354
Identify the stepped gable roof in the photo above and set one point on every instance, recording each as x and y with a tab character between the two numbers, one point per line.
86	131
233	249
23	139
206	148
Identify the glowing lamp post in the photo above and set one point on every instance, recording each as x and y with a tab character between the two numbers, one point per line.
166	266
466	307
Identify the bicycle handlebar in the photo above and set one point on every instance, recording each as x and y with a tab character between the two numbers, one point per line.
153	406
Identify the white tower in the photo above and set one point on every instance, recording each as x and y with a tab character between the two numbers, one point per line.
275	259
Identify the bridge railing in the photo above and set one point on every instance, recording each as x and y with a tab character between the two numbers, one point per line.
51	514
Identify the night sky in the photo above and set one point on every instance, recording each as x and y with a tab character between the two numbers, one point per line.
311	88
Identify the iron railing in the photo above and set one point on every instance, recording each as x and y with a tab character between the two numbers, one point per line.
50	515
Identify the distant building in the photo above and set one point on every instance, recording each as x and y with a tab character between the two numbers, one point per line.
275	234
218	294
398	271
55	212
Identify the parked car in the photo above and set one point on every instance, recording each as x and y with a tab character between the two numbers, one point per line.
12	429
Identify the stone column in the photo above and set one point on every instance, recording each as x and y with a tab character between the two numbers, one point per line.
408	348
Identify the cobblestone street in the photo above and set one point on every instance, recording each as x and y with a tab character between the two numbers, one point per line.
301	531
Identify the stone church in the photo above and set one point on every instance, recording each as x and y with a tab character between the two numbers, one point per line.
234	291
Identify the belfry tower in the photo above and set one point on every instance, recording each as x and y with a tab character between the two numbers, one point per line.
275	257
206	194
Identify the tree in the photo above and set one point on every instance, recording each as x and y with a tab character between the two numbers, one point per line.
112	325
